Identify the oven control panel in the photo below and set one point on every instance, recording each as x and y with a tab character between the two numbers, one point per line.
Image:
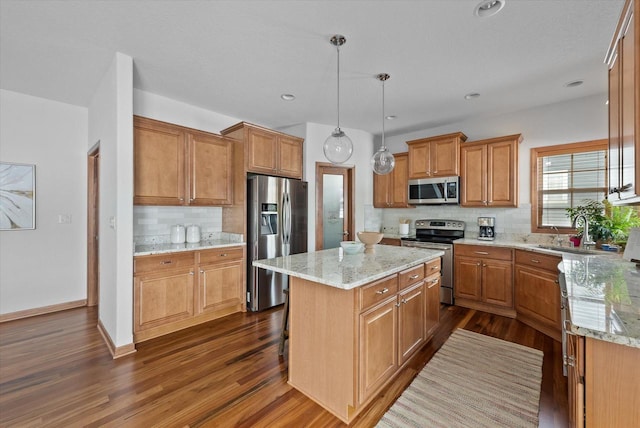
440	224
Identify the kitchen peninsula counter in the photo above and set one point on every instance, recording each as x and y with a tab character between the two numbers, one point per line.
346	271
356	320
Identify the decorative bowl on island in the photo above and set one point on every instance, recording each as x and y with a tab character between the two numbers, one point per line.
370	239
351	247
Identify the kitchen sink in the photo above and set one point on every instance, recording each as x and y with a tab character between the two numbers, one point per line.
567	249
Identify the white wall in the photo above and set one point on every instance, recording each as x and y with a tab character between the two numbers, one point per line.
45	266
111	124
573	121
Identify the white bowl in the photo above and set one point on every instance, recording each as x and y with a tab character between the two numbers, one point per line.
351	247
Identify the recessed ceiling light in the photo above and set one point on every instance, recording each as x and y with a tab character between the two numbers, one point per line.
471	96
574	83
488	8
392	117
288	97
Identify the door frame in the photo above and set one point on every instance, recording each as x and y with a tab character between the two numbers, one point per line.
93	216
348	172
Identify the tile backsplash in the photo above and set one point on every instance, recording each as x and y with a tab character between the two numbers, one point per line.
151	223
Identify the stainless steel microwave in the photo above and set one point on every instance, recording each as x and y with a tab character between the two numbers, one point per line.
437	190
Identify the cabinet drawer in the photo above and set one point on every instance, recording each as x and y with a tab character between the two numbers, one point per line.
483	252
433	266
410	276
219	255
163	261
537	260
378	291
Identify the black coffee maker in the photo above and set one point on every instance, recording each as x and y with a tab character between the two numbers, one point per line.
487	230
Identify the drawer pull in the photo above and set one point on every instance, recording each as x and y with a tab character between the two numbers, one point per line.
404	301
484	253
383	291
535	261
166	262
191	273
435	267
414	276
223	255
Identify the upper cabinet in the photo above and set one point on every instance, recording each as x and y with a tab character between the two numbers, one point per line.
435	156
174	165
391	190
489	172
269	152
623	59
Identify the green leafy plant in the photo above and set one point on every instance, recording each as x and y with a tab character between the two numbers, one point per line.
594	212
607	223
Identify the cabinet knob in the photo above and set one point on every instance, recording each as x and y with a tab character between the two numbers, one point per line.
191	273
478	264
201	271
398	305
223	255
484	265
403	301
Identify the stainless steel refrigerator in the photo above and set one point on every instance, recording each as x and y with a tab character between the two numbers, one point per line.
276	226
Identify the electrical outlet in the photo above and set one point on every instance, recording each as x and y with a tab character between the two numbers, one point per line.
64	218
112	222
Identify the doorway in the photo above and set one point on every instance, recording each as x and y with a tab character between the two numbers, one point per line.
93	209
334	205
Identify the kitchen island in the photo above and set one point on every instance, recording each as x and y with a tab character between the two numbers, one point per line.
603	340
355	320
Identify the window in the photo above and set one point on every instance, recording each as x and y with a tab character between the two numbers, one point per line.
563	177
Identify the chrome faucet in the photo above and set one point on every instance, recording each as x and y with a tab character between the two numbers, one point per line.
586	241
558	242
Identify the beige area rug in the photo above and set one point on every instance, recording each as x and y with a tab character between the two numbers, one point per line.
472	381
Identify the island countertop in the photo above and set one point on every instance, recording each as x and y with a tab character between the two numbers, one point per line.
604	298
346	271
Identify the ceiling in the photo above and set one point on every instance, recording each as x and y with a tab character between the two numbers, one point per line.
237	57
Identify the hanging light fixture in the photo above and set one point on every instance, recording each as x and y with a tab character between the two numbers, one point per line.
382	161
338	146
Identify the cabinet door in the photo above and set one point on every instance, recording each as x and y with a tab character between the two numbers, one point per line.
159	163
432	304
378	347
537	295
502	182
399	182
615	149
382	188
290	157
419	160
630	117
497	282
261	151
221	286
468	278
575	373
210	165
163	298
473	176
411	324
444	157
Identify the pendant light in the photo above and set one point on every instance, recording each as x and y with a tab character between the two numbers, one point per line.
338	146
382	161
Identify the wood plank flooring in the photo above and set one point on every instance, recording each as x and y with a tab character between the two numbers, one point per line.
55	371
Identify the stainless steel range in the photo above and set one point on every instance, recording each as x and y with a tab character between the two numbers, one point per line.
439	235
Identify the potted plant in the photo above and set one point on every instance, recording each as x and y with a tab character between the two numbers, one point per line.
607	223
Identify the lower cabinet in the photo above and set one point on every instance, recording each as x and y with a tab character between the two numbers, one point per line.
484	278
603	383
341	357
537	294
179	290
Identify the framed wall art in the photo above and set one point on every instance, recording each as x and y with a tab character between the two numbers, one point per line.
17	196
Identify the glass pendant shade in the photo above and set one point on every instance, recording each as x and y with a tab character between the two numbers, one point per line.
338	147
383	161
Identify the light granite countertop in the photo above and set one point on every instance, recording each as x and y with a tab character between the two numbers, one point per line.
163	248
346	271
604	298
529	246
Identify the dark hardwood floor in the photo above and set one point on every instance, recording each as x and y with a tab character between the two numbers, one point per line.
56	371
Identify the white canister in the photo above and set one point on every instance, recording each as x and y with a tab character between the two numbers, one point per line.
177	234
403	228
193	233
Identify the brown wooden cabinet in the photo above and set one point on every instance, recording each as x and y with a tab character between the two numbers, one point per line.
603	383
178	290
435	156
489	172
623	59
537	294
484	278
352	351
174	165
391	190
267	151
432	303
